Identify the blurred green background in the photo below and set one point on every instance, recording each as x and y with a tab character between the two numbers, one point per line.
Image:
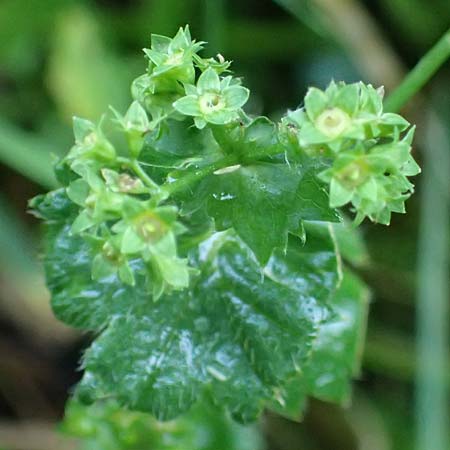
60	58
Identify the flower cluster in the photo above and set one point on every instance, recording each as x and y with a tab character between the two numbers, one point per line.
171	63
196	204
370	157
118	215
126	210
121	213
169	87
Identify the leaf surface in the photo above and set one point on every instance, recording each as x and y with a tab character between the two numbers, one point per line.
106	426
238	333
263	202
336	351
176	146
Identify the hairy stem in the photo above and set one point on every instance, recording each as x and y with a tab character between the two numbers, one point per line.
168	189
420	74
140	172
182	183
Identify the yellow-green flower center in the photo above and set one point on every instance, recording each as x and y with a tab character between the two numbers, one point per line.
110	253
354	174
211	102
332	122
175	59
90	140
150	227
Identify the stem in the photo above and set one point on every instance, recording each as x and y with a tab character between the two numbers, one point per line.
182	183
169	188
420	74
140	172
432	392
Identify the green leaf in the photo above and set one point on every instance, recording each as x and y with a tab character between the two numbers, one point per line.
312	200
106	426
238	199
337	351
178	146
73	301
236	332
350	243
262	202
54	206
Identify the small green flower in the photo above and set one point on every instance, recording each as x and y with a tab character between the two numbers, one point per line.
110	261
99	203
340	116
135	125
369	160
333	122
123	182
213	100
150	233
171	64
374	180
172	59
90	144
